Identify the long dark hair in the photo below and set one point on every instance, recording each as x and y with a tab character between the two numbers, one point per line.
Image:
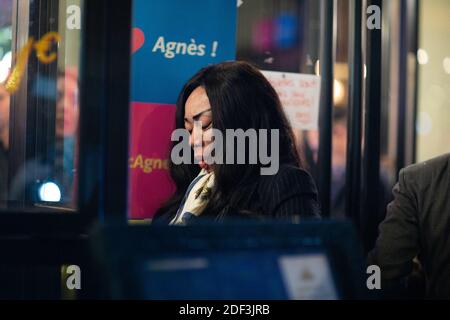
241	98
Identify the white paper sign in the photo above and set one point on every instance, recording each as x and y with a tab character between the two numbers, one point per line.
300	97
308	277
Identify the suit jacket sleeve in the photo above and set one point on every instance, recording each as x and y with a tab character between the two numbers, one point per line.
398	241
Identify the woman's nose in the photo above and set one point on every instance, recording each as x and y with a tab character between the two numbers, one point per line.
191	139
196	138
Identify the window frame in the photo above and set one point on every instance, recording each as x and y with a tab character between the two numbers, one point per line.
104	128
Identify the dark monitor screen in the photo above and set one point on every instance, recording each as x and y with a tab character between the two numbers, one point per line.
244	275
245	262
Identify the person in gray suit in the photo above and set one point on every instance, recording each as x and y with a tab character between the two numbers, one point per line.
417	228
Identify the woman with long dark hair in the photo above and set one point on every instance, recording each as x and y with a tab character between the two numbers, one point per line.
233	96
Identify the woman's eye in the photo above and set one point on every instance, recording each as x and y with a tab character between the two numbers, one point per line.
206	127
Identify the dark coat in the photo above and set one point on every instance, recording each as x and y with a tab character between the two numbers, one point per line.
418	225
288	196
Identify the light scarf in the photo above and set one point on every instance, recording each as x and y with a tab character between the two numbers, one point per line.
196	198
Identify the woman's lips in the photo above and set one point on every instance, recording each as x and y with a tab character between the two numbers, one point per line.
203	165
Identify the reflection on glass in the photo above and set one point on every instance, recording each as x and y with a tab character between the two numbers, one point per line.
4	141
279	35
39	104
5	98
282	35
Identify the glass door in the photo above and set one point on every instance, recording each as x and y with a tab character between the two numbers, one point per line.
57	108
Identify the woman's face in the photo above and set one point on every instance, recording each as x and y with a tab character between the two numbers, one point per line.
67	109
198	121
4	108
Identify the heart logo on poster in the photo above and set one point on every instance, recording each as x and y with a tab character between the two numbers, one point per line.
138	40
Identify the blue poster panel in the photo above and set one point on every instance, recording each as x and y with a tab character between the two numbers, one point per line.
173	39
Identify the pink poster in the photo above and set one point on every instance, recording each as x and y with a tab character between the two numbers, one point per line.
150	184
